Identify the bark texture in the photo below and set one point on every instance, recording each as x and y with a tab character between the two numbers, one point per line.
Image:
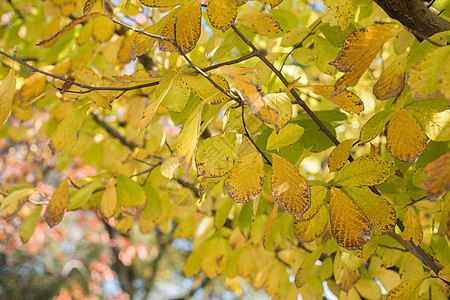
415	15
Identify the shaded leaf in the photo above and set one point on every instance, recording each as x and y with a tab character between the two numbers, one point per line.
264	24
438	181
308	263
318	197
215	257
303	56
222	13
413	229
108	204
340	155
123	222
29	224
81	197
130	196
392	80
272	3
269	225
345	275
374	125
279	103
445	273
58	204
7	90
88	5
310	230
14	201
365	170
161	3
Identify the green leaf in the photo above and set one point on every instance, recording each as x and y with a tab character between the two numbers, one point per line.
81	197
130	196
374	125
14	201
365	170
29	225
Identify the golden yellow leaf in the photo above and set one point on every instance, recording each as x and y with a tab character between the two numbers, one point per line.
279	103
318	196
272	3
68	27
358	51
392	81
442	286
102	29
269	226
108	203
445	273
124	56
222	13
187	139
29	224
346	100
413	229
438	181
406	140
232	70
310	230
430	76
444	224
289	189
123	221
349	225
88	6
245	180
32	87
264	24
188	27
203	88
215	257
162	3
58	204
408	289
146	225
345	274
7	90
339	13
340	155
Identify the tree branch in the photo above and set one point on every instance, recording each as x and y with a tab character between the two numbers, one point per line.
113	132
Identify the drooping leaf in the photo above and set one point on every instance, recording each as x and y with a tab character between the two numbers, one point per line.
124	222
438	181
29	224
392	80
406	140
309	230
130	196
340	155
222	13
245	180
345	274
88	5
14	201
303	56
222	212
7	90
374	125
215	257
289	189
349	225
365	170
68	27
262	23
108	204
358	51
285	137
58	204
308	263
203	89
346	100
413	229
408	289
80	197
318	197
269	226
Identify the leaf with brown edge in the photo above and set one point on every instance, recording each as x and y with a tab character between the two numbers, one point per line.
262	23
392	80
408	289
289	189
312	229
359	50
349	225
340	155
108	204
69	26
438	181
245	180
345	100
413	229
188	27
58	204
222	13
406	140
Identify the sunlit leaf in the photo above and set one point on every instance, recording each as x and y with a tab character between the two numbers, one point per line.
262	23
365	170
108	203
102	29
279	103
374	125
203	89
392	80
303	56
339	13
29	224
269	226
14	201
318	197
161	3
58	204
406	140
310	230
7	90
285	137
222	13
272	3
408	289
215	257
340	155
349	225
81	196
294	36
289	189
413	229
88	5
345	275
245	180
438	181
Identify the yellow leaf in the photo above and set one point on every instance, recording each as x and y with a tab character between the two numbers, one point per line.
438	181
58	204
7	90
303	56
14	201
279	103
264	24
308	263
430	76
406	140
203	89
339	13
88	6
162	3
408	289
232	70
340	155
68	27
188	27
345	275
392	81
365	170
29	224
145	224
380	211
108	203
374	125
32	87
245	180
138	76
215	257
130	196
178	93
318	196
289	190
103	29
346	100
294	36
222	13
285	137
444	224
358	51
272	3
124	54
442	286
123	221
413	229
445	273
269	226
349	225
312	229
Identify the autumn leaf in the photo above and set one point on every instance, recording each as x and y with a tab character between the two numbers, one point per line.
103	29
340	155
339	13
88	5
285	137
374	125
7	90
438	181
365	170
319	194
406	140
413	229
262	23
289	189
310	230
269	226
58	204
14	201
349	225
108	204
29	224
358	51
222	13
408	289
392	80
203	88
279	103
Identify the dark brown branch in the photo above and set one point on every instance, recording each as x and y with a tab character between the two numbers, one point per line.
415	15
113	132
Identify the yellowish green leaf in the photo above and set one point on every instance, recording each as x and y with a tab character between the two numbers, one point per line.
222	13
406	140
303	56
294	36
203	88
130	196
365	170
408	289
58	204
345	274
310	230
174	91
245	180
138	76
262	23
289	189
444	224
346	100
81	196
29	224
272	3
340	155
349	225
161	3
445	273
123	221
108	204
285	137
7	90
279	103
438	181
215	257
339	13
368	289
392	80
358	51
269	225
374	125
413	229
308	263
14	201
318	196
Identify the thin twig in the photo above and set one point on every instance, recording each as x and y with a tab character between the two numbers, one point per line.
393	248
113	132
